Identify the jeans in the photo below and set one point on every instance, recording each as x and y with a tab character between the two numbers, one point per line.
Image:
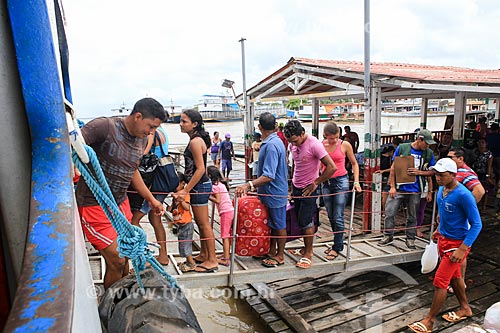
391	208
335	206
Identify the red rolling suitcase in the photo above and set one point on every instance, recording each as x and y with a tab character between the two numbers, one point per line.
252	221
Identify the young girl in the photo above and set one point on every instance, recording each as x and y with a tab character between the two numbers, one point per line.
199	185
181	214
220	195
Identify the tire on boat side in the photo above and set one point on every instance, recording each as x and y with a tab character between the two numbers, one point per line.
162	308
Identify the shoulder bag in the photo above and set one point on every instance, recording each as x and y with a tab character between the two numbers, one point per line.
165	177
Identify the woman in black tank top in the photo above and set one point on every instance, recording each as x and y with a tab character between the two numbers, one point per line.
199	186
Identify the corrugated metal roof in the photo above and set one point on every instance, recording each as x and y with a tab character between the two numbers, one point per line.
412	71
315	77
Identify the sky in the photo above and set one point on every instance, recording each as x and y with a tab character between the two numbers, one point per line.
177	51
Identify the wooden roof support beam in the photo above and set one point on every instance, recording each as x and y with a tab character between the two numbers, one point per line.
334	72
269	80
447	87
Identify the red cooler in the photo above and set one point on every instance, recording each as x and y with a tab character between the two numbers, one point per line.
252	229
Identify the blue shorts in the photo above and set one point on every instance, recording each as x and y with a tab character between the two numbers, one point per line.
304	207
213	156
277	218
227	165
145	209
201	199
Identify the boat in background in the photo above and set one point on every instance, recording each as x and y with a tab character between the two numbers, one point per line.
174	112
305	113
219	108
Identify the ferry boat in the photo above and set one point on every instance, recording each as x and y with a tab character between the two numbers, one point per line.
219	108
305	113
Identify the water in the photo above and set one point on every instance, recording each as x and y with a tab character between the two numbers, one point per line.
237	130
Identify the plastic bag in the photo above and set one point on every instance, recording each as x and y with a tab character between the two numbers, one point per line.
430	258
492	317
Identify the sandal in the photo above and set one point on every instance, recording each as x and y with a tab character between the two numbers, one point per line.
331	255
418	327
296	252
186	267
271	262
304	263
223	261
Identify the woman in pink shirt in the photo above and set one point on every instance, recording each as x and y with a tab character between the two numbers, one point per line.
337	187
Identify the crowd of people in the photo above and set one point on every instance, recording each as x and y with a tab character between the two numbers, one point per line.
318	168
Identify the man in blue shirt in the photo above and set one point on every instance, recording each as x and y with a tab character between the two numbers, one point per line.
457	210
409	193
272	183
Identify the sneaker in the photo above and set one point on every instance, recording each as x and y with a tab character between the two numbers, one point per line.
410	243
387	240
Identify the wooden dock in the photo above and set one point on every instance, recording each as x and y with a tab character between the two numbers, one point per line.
376	299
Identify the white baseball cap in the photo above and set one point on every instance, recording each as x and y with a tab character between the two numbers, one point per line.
445	164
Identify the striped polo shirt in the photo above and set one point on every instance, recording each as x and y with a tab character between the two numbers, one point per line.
467	177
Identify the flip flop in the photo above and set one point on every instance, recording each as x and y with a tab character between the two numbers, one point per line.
271	262
224	261
206	270
452	317
186	267
418	327
331	255
304	263
296	252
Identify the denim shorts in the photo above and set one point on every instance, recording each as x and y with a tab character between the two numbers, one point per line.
201	199
145	209
277	218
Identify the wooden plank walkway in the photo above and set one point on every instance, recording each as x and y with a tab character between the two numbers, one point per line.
383	299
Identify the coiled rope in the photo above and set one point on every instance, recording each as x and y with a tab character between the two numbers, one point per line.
131	239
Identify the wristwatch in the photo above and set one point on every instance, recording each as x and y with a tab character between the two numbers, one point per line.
252	188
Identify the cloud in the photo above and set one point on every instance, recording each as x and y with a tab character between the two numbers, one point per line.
121	51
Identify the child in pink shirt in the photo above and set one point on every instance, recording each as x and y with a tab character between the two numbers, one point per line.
220	195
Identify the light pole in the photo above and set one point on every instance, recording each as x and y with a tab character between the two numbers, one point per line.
248	114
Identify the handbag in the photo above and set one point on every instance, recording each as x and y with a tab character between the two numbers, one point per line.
429	257
165	178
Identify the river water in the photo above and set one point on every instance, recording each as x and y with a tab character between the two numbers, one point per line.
237	131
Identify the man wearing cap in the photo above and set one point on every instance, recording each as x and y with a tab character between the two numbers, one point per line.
457	210
226	155
409	193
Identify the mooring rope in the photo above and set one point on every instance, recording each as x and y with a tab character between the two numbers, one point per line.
131	239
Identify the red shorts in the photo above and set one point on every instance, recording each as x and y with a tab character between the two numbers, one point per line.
97	227
447	270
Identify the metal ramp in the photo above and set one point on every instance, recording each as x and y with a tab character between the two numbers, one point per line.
364	252
249	270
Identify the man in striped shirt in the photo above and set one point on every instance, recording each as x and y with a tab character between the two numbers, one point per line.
465	174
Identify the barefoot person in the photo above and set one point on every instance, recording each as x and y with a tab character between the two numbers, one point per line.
457	209
199	186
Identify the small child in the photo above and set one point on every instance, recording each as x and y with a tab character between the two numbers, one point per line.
181	213
220	195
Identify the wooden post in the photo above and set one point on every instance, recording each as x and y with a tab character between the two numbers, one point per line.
423	113
459	119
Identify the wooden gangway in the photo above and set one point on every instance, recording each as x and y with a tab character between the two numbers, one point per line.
364	252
